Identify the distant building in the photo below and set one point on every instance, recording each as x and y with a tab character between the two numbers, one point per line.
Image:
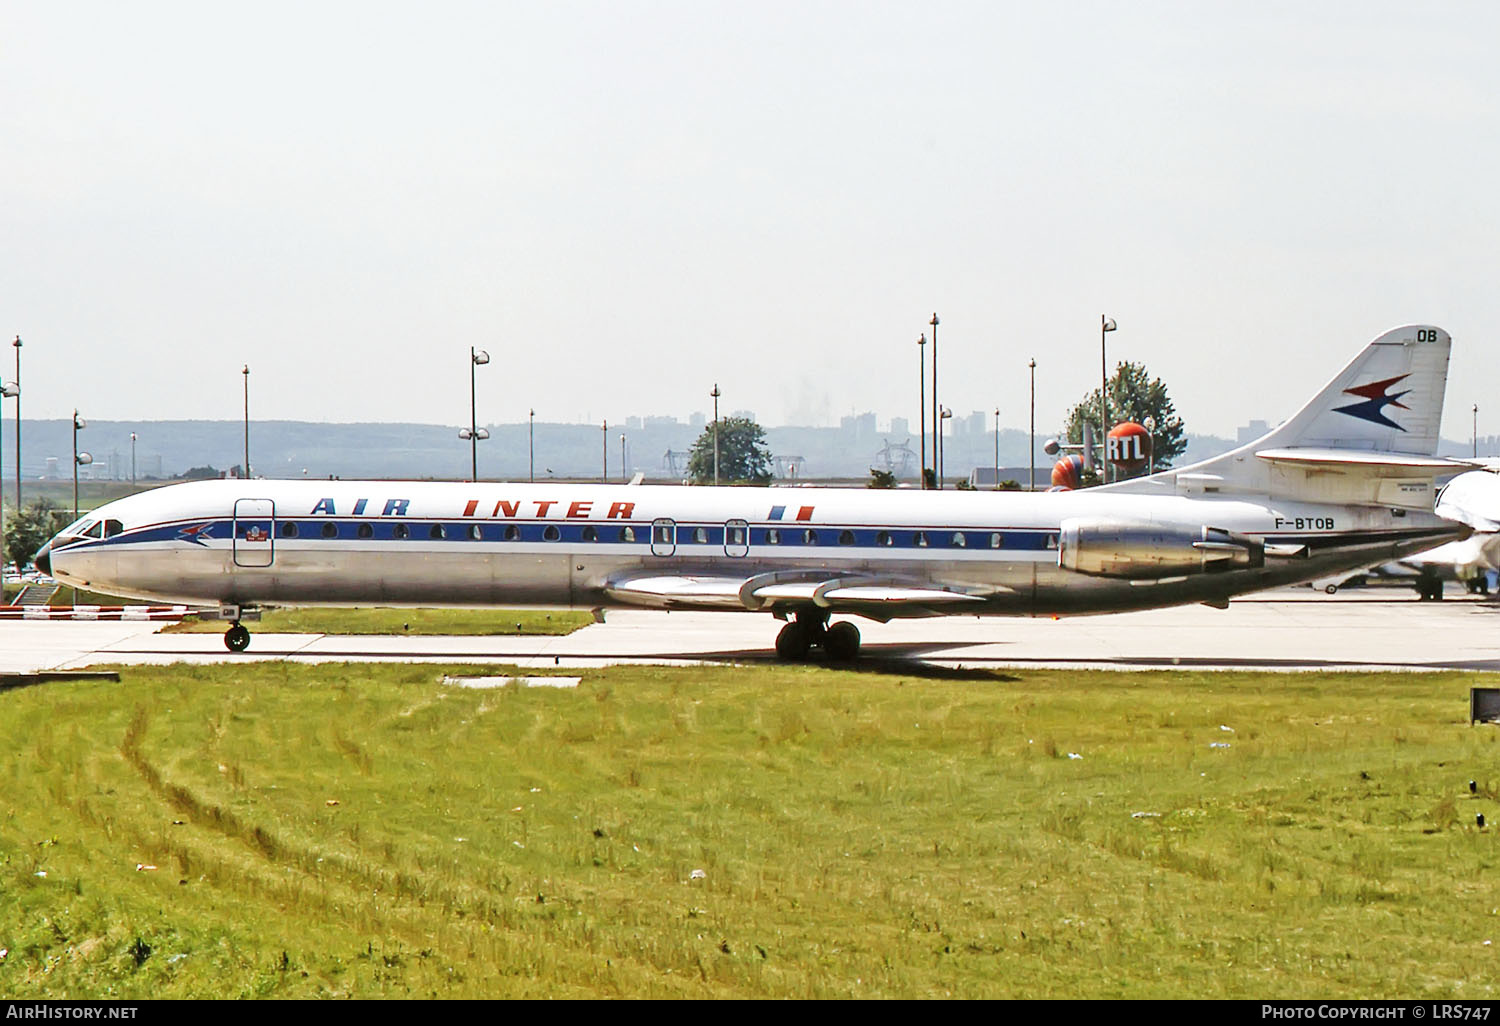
632	423
1251	431
653	422
697	420
900	427
860	426
984	478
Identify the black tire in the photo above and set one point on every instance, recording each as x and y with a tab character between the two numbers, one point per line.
237	638
1331	589
792	643
841	643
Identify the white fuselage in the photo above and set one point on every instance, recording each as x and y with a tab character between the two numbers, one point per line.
582	545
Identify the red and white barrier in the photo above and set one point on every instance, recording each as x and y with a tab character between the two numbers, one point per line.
93	612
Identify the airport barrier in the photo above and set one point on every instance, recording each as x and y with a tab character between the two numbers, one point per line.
94	612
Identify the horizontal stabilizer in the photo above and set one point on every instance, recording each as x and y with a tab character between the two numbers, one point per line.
1364	461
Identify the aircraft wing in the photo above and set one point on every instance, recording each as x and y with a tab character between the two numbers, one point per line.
880	597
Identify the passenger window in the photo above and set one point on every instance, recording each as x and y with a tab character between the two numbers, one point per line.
551	533
512	533
996	540
437	531
400	531
476	533
736	536
589	534
365	531
773	536
627	534
330	530
288	529
919	539
846	537
883	538
959	541
700	536
809	537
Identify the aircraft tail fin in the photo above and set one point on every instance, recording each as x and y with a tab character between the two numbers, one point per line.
1370	435
1388	399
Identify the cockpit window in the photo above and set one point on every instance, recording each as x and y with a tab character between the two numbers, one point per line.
95	530
112	528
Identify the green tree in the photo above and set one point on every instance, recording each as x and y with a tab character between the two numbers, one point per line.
881	479
1133	395
743	456
28	530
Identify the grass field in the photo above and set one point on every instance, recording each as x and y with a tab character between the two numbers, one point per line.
289	831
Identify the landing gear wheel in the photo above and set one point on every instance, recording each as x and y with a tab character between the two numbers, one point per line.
841	643
1331	589
237	638
793	642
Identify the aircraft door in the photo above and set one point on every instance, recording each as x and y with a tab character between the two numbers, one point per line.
736	538
663	537
254	532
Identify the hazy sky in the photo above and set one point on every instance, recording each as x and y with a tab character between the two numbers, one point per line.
625	202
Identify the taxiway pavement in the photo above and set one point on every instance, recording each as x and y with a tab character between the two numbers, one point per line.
1287	629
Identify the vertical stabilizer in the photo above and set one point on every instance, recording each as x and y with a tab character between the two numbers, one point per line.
1389	399
1369	437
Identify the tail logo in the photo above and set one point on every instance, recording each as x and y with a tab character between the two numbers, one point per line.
1376	399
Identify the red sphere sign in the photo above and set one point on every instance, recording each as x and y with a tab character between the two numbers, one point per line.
1129	446
1067	472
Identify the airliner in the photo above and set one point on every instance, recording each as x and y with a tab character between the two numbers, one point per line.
1345	482
1473	498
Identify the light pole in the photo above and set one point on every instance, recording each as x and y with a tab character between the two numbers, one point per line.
475	434
1476	431
531	443
1106	325
245	467
715	393
604	448
624	467
946	414
997	448
922	400
17	383
937	436
1150	425
80	459
132	459
6	392
1031	448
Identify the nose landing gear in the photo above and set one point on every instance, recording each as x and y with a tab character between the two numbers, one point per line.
839	641
237	638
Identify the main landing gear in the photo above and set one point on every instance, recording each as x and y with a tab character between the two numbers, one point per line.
839	641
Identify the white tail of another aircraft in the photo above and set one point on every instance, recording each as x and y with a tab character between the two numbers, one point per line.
1370	436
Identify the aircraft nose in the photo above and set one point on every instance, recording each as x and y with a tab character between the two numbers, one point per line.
43	559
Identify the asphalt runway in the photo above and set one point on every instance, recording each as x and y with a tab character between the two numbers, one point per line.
1289	629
